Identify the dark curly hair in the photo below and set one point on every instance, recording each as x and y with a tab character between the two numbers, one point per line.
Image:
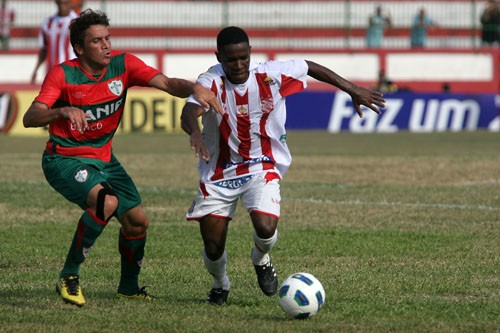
80	24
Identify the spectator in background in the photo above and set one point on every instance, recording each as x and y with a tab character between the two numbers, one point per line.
376	26
53	38
490	23
7	17
384	85
421	23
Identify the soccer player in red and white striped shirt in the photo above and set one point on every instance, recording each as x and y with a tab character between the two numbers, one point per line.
243	152
53	37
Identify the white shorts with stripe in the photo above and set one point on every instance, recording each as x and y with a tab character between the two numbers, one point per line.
258	193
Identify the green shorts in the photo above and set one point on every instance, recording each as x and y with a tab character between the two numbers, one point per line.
74	178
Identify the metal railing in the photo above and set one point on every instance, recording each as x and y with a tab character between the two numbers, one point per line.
273	24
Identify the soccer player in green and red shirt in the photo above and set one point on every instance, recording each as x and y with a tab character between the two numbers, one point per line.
82	101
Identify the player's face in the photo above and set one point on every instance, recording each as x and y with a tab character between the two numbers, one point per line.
235	60
95	54
63	7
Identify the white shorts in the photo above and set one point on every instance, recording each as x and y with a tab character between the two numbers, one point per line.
259	193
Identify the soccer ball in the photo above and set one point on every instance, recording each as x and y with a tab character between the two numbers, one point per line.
301	295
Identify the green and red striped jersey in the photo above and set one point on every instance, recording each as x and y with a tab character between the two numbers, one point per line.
101	98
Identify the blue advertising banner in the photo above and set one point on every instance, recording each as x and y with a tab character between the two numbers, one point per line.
404	111
153	111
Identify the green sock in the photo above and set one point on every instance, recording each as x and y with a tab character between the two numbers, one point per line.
132	253
89	228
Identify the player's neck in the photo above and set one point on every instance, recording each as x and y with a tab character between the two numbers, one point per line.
92	71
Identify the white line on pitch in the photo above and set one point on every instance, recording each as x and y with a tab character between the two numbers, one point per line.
403	204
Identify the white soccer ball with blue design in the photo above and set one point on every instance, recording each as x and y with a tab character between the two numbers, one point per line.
301	295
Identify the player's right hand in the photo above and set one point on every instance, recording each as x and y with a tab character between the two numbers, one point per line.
76	117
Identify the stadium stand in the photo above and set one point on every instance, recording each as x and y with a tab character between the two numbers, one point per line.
166	33
274	24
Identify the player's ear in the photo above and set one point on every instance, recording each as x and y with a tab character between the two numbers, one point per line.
78	49
218	56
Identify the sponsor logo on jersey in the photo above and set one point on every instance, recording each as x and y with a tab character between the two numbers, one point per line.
116	87
269	81
78	94
283	138
91	126
81	176
233	183
104	111
260	159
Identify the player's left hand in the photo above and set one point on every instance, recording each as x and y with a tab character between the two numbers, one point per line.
373	100
198	146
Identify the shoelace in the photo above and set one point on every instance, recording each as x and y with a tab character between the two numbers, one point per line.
72	283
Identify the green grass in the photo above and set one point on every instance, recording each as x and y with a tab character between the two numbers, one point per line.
402	229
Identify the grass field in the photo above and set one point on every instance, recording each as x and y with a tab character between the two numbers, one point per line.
402	229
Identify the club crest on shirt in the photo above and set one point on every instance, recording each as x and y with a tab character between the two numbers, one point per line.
116	87
242	110
81	176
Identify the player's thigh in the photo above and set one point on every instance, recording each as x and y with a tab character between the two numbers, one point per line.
262	196
124	188
215	201
71	178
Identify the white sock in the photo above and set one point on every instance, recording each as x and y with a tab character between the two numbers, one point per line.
260	252
217	269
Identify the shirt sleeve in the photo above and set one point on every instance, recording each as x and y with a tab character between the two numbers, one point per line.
138	72
52	87
293	76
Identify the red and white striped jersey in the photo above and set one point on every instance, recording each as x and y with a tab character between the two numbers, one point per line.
54	35
7	17
250	137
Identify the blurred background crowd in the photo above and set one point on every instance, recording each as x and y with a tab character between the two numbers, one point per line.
274	24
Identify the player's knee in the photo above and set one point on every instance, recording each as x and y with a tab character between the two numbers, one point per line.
214	248
265	225
213	252
134	222
265	231
110	206
142	226
135	230
107	203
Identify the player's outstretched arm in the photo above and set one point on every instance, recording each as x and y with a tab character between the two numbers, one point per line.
190	125
360	96
184	88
